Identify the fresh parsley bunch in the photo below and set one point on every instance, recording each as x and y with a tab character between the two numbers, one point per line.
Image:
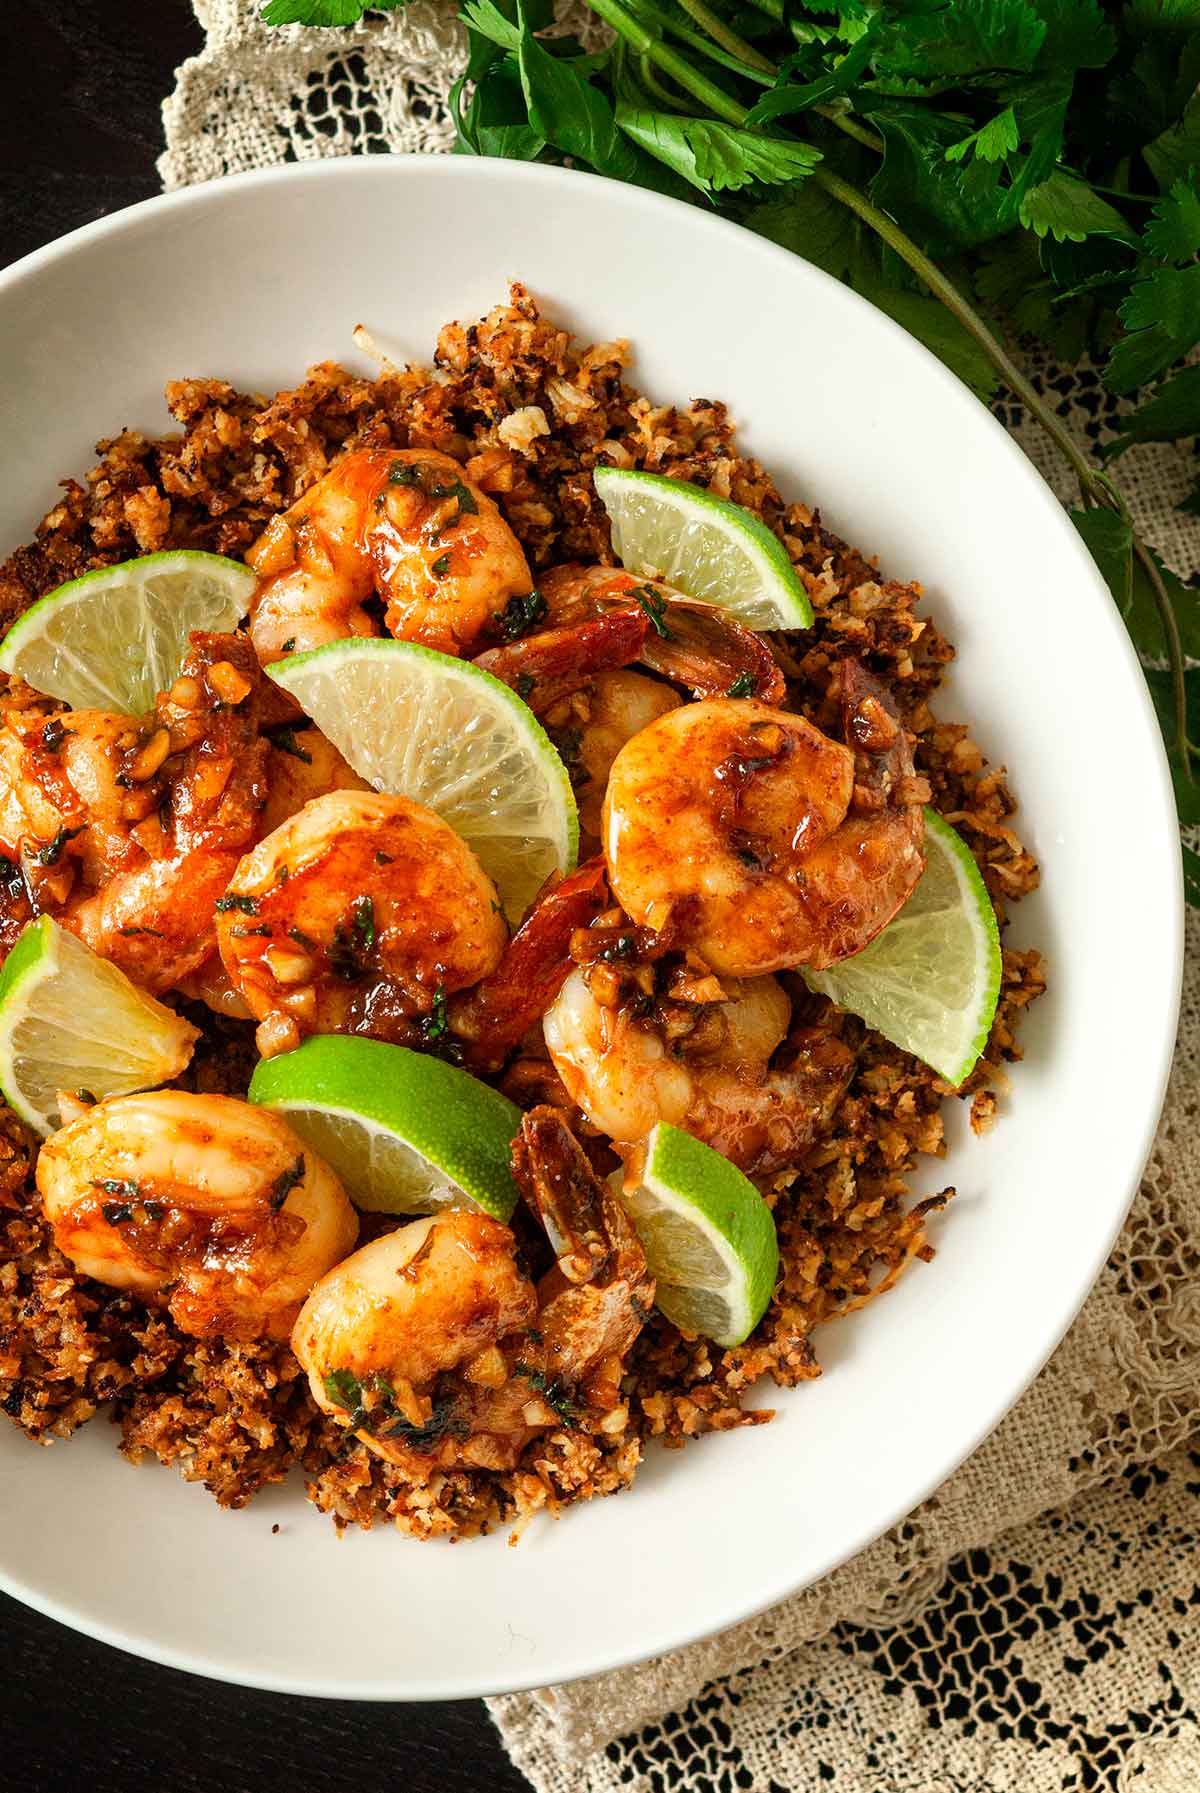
979	169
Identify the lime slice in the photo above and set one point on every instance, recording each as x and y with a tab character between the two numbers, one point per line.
708	1236
71	1021
930	981
406	1133
115	638
705	547
420	724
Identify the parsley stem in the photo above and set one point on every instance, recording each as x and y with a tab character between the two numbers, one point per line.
886	228
704	46
1170	624
851	127
681	71
728	39
653	85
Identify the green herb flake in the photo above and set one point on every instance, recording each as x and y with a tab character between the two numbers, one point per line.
434	1024
52	852
54	734
284	1183
441	566
655	607
520	615
239	900
551	1392
284	739
742	686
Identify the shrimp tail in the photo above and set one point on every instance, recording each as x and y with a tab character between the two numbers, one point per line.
596	1299
712	654
545	668
555	1176
874	732
491	1018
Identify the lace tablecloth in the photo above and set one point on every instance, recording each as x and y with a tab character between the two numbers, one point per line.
1035	1626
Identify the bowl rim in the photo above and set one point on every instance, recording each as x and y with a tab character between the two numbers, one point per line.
358	166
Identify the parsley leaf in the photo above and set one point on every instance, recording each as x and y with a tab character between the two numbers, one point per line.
716	157
1173	233
1176	151
992	142
1069	210
1161	316
1172	411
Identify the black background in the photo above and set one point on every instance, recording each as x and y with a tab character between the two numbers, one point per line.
79	134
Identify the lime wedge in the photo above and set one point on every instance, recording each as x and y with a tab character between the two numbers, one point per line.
71	1021
705	547
115	638
420	724
708	1235
406	1133
930	981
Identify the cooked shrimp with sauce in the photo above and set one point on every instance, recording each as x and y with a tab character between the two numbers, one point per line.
433	1344
212	1207
360	913
751	813
405	526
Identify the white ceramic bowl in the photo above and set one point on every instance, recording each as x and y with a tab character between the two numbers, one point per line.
255	278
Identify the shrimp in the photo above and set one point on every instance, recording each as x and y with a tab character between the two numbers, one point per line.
785	848
302	764
694	644
128	830
615	708
433	1346
405	525
627	1072
491	1018
202	1204
359	914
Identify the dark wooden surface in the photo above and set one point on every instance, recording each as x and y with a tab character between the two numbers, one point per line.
79	134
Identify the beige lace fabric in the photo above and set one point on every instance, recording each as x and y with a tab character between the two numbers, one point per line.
1035	1626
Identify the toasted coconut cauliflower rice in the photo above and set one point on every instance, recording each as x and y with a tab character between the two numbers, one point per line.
529	414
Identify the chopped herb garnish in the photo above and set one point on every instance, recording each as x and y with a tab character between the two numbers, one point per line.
353	939
441	566
284	738
623	947
382	858
289	644
283	1185
54	734
281	875
742	686
655	607
130	931
551	1392
370	1402
236	899
404	473
467	506
364	921
302	940
116	1212
51	853
262	931
434	1024
117	1186
520	615
85	1095
525	683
